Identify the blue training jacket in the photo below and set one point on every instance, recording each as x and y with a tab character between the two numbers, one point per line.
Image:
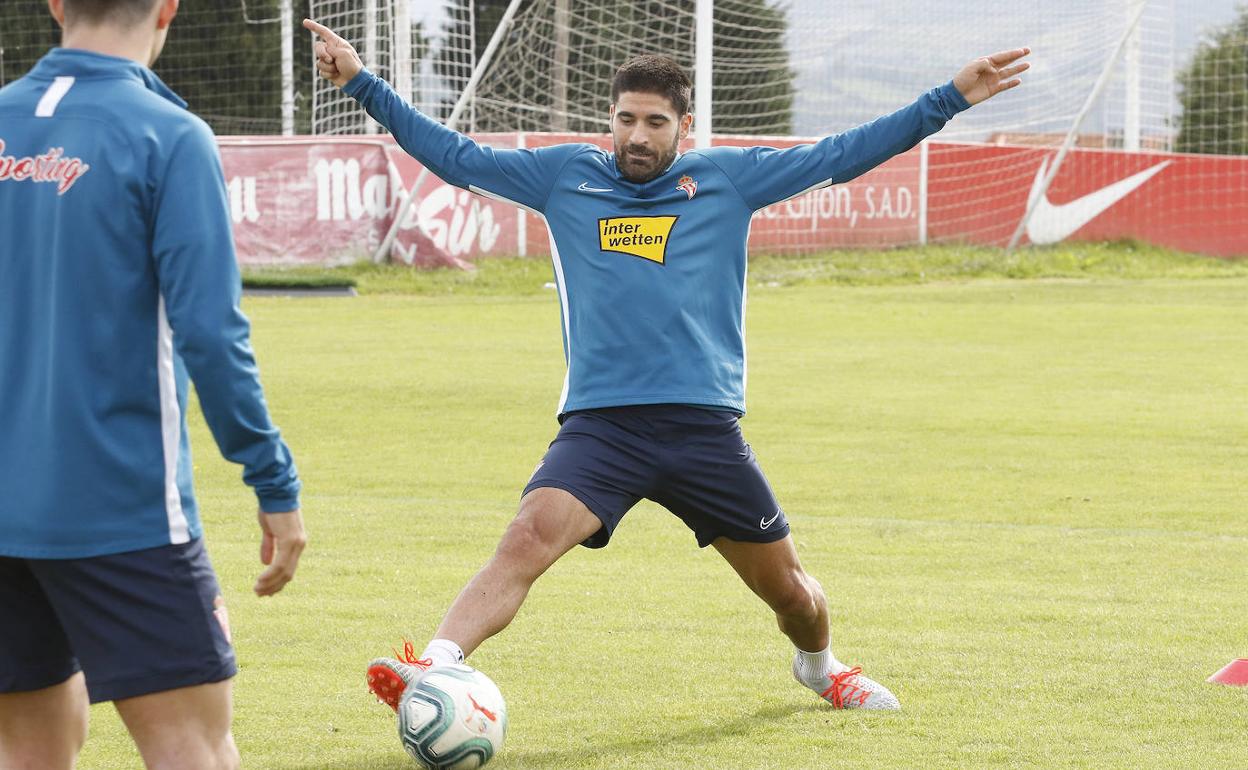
117	279
651	277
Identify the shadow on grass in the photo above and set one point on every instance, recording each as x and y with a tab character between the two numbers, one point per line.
395	759
690	737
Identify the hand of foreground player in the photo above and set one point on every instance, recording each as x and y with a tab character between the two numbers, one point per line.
281	542
988	76
336	60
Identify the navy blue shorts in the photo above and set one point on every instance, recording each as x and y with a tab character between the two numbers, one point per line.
134	623
690	460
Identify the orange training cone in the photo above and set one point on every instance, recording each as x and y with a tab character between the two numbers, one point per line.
1233	673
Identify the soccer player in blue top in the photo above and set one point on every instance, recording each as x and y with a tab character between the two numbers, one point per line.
649	253
118	280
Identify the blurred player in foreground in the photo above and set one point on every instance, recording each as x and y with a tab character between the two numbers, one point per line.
649	252
117	280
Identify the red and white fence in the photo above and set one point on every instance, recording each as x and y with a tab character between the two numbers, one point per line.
317	200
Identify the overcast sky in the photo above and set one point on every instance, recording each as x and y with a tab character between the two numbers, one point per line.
858	58
1071	41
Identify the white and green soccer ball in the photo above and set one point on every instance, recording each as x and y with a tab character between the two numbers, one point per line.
452	718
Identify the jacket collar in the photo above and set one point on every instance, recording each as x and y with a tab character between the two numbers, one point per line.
88	65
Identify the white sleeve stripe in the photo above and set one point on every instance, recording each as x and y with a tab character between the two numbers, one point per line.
497	197
53	96
562	286
170	427
812	188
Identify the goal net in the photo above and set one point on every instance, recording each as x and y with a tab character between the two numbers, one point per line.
782	70
1119	79
425	51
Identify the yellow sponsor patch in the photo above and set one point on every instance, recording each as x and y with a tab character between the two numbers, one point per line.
644	237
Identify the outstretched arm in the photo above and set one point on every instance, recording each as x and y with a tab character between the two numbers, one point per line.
988	76
523	177
765	175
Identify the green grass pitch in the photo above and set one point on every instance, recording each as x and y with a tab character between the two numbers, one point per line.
1025	499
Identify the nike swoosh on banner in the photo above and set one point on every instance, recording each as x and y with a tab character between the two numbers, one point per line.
586	188
1051	222
765	523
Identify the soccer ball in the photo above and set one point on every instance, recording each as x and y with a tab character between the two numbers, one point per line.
452	718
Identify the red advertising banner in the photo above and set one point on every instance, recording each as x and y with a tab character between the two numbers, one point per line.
979	194
303	200
879	208
331	200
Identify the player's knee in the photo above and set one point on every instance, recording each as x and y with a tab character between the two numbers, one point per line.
218	754
521	537
816	588
524	544
797	596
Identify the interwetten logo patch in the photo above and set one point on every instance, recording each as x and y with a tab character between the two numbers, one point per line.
644	237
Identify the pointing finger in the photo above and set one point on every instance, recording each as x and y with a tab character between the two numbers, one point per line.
327	34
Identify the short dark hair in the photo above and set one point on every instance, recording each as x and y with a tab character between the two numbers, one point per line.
654	74
121	12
